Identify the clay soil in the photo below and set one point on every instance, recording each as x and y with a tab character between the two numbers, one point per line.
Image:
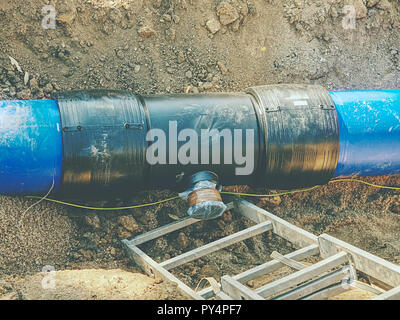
159	46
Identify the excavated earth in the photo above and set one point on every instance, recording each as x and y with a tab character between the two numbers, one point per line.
159	46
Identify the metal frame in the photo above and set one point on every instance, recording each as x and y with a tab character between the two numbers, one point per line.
334	274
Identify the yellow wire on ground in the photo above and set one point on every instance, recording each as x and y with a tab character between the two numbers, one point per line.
309	189
269	195
105	209
364	182
223	192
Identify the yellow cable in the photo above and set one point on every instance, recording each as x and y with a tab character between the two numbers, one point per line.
269	195
309	189
106	209
223	192
364	182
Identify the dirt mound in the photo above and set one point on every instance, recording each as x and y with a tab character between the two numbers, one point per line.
93	284
31	239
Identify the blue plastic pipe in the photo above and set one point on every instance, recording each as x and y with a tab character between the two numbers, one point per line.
31	149
369	123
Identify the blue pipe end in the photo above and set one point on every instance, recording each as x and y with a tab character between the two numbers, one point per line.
30	147
369	123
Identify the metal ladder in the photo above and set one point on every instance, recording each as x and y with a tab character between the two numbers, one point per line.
333	275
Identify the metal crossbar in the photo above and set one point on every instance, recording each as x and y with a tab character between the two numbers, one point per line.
334	274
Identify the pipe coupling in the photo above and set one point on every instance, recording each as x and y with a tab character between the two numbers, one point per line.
301	135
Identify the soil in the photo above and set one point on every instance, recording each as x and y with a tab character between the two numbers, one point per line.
177	46
93	284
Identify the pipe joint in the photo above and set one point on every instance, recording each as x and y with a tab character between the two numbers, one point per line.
301	135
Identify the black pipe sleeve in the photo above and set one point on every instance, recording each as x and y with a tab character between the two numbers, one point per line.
295	138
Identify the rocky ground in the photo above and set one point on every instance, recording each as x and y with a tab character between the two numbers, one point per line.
191	46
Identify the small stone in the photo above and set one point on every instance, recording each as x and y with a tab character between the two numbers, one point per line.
120	54
384	5
26	78
183	241
361	9
167	17
235	26
15	64
145	219
91	242
157	3
137	68
227	13
207	86
123	234
298	4
275	201
56	86
129	223
146	31
371	3
13	92
227	216
40	93
181	57
87	254
170	34
195	90
34	84
213	25
221	224
176	18
48	88
208	270
93	221
189	74
334	13
222	67
24	94
244	10
62	56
